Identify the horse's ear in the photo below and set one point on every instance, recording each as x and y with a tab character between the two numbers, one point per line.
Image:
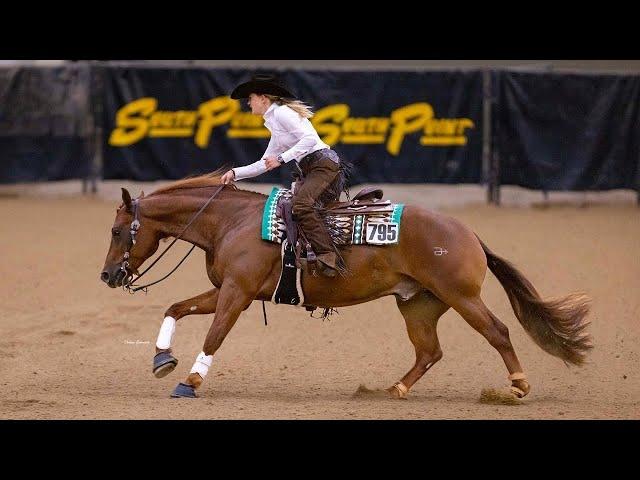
126	199
141	193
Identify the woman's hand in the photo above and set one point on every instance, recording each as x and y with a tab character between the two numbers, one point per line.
228	177
271	162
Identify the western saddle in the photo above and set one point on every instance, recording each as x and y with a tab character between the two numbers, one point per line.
367	197
367	200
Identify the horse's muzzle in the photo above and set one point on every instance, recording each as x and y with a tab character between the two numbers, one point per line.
113	280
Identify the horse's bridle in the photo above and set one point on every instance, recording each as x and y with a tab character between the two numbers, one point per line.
133	230
128	281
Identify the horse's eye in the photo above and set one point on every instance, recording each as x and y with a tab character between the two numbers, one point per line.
115	232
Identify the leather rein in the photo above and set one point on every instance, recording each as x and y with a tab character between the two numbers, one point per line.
128	282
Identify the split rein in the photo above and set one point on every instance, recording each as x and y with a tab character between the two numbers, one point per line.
128	282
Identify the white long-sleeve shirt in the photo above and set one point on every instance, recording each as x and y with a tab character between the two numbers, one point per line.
292	137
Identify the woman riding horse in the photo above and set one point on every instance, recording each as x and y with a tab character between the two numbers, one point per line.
293	138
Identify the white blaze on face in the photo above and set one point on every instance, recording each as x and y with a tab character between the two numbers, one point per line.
202	364
167	330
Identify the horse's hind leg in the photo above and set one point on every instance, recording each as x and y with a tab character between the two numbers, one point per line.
164	362
421	314
476	313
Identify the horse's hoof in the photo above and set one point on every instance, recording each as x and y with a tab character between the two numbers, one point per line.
183	390
517	392
398	391
163	364
520	388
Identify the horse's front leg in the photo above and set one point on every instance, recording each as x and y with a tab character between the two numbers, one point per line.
232	300
164	362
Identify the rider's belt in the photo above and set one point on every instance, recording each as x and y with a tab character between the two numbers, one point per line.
327	153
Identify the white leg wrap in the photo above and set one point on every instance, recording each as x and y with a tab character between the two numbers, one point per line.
167	330
202	364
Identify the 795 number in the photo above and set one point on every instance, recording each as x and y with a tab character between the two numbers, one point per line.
382	232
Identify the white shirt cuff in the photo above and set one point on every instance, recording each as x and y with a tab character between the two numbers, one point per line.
288	156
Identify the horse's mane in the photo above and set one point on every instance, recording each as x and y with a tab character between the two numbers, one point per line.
211	179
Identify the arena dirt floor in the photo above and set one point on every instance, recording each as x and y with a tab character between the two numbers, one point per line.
72	348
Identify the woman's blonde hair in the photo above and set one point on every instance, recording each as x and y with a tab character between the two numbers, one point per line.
297	106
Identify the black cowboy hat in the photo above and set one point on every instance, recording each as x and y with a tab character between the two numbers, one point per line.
261	84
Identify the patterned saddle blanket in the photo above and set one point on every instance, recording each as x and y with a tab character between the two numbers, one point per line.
348	225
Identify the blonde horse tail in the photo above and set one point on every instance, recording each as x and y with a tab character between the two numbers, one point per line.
555	325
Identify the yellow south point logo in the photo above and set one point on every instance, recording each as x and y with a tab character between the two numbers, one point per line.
141	119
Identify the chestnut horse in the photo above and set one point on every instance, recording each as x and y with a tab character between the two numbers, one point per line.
426	282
